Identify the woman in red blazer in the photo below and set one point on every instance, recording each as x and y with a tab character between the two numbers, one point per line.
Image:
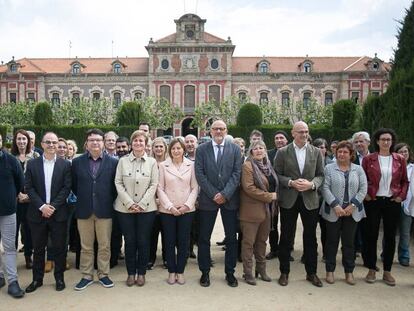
387	188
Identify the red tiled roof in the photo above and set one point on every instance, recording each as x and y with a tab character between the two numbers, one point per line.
92	65
207	38
290	64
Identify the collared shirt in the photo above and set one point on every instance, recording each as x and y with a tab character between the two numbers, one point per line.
360	157
94	165
300	155
48	166
215	148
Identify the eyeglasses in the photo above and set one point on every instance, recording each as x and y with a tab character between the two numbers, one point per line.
386	140
50	142
94	140
218	129
62	147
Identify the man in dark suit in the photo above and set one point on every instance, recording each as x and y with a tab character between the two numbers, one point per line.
218	168
48	182
299	167
93	175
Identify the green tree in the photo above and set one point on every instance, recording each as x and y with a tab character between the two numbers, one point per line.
344	113
12	114
129	113
43	114
159	112
249	115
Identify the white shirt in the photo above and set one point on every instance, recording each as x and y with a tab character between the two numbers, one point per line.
384	189
48	166
215	148
300	156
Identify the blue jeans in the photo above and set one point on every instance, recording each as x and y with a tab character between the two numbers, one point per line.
137	229
404	243
177	231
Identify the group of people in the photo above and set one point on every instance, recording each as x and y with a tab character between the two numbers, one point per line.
137	187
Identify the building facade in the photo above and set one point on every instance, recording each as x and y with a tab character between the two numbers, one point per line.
189	68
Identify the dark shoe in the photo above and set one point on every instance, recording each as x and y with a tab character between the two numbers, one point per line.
192	255
283	279
165	265
60	285
2	282
221	243
150	266
291	258
313	278
14	290
83	283
205	280
29	263
271	255
231	280
223	248
33	286
106	282
249	279
404	263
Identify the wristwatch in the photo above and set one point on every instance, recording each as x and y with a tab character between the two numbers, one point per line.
313	186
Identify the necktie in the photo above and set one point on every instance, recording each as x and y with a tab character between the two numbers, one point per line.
219	155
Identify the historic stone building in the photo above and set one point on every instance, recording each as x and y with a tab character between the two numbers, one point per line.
190	67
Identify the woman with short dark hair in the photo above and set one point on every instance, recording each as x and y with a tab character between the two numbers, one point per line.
344	190
387	187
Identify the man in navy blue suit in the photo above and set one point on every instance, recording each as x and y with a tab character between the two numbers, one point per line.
218	168
93	184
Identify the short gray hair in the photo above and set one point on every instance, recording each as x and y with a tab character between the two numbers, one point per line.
363	134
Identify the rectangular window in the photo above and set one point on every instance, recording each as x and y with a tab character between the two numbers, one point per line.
242	96
165	92
214	94
285	99
55	99
13	97
96	96
189	96
355	96
117	99
30	97
75	98
306	99
263	98
328	98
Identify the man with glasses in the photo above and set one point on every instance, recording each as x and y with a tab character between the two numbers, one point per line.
218	168
93	183
48	182
299	167
110	143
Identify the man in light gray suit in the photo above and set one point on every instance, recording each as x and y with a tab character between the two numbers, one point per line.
218	168
299	167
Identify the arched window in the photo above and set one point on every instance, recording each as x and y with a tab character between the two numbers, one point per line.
328	98
165	92
55	98
76	98
285	99
137	95
189	96
307	67
242	96
307	99
117	99
214	93
76	69
117	68
263	98
263	67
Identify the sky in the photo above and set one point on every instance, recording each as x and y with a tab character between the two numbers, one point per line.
107	28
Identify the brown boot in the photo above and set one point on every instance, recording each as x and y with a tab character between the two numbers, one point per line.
349	278
388	278
141	280
261	271
248	277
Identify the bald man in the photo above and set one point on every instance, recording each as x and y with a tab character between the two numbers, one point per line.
218	168
299	167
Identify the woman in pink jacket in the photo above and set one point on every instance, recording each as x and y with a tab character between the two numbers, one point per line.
177	192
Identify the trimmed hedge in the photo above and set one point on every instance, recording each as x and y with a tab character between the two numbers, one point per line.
43	114
76	132
249	115
316	131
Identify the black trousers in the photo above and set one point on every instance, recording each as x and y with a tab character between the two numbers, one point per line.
40	233
116	240
274	234
230	224
177	236
136	228
288	219
22	222
389	211
344	228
